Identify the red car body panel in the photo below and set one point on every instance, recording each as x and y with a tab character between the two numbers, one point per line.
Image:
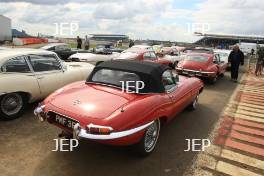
92	103
139	55
212	69
102	106
159	60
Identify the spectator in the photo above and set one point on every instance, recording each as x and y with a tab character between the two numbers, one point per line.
252	52
260	61
236	58
86	43
131	43
79	43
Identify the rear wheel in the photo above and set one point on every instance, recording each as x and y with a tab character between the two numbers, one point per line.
148	142
12	106
222	75
172	66
213	80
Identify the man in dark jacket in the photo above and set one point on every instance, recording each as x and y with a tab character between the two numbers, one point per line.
79	42
236	58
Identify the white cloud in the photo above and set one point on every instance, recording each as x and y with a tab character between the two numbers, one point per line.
232	16
152	19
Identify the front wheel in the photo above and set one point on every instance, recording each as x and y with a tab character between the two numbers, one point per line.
194	103
12	106
148	142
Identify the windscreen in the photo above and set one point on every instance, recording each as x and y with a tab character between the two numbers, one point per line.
115	77
196	58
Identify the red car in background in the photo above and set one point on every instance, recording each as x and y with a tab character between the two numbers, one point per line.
99	109
204	65
143	53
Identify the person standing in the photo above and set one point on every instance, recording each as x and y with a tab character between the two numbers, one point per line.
235	58
79	43
86	43
260	61
131	43
252	52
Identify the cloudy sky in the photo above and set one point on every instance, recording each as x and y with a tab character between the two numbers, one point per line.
173	20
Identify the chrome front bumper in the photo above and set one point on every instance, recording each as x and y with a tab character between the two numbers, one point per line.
39	113
79	132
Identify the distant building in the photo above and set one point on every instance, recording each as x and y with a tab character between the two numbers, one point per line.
5	29
109	37
19	34
224	40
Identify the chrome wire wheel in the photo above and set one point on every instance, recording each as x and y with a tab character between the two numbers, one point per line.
151	136
11	104
195	102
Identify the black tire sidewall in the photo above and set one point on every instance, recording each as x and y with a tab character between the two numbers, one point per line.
4	116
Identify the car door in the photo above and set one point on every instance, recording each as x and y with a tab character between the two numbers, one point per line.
179	94
220	64
19	77
71	73
48	72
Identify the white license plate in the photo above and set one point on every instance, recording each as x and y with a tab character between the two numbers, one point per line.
69	123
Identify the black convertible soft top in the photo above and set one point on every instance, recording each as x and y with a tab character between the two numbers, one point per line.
150	73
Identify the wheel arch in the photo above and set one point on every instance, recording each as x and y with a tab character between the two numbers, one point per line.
163	120
201	90
26	95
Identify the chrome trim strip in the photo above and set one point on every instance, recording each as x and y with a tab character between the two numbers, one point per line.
180	69
81	133
99	126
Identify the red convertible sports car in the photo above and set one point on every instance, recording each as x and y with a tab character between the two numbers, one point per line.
203	65
101	109
143	53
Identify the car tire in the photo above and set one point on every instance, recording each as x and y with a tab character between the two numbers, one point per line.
148	142
12	106
213	80
172	66
175	64
194	103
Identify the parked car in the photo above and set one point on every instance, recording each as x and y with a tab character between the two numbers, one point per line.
223	55
143	53
92	58
29	75
171	54
107	49
202	65
197	50
101	110
143	47
62	50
